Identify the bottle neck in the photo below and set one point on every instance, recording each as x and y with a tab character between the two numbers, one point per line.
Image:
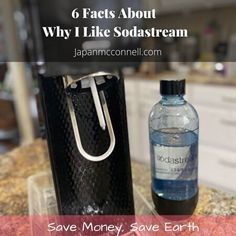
173	100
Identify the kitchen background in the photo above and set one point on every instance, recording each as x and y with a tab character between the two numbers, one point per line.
205	59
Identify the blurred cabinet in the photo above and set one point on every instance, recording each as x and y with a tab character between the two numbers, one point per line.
217	168
141	95
148	95
216	106
132	114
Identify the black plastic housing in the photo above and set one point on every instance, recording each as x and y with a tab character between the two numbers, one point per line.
84	187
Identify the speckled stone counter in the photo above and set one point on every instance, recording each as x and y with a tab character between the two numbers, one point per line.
211	201
18	165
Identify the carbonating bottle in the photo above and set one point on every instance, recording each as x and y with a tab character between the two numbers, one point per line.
173	131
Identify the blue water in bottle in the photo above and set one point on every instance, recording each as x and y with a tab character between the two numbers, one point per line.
173	129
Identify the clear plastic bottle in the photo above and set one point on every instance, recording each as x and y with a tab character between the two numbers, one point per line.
173	130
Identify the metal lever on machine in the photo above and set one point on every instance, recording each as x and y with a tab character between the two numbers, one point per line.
101	109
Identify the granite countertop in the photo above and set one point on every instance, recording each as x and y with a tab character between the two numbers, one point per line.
23	162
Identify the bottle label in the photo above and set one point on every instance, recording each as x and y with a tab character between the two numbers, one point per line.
171	163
